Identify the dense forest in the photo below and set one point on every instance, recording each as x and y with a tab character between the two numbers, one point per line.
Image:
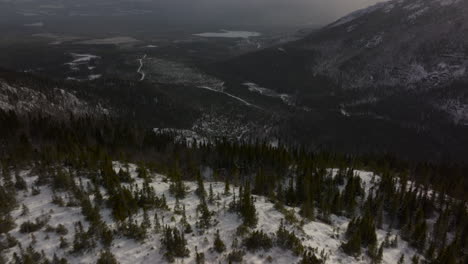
425	202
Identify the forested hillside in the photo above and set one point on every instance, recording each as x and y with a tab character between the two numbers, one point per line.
85	190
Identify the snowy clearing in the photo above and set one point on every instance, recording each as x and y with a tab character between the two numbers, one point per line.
320	236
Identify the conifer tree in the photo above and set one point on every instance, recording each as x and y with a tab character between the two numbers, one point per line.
204	220
247	208
106	257
200	191
211	197
227	188
218	244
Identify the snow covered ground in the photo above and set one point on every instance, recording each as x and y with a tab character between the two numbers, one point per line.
315	234
286	98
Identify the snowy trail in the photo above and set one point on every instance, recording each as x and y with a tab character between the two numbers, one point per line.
142	73
230	95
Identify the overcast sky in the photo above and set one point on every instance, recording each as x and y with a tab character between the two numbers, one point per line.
212	12
315	12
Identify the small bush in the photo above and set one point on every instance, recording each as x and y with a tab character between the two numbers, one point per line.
258	240
235	256
61	230
288	240
218	243
107	257
6	223
29	227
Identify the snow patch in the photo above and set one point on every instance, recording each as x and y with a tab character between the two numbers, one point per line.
457	110
94	76
374	41
418	13
80	59
287	99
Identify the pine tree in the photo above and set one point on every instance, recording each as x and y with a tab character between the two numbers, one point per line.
204	220
227	189
353	246
174	244
247	208
401	260
200	191
211	197
157	224
106	257
218	244
310	258
199	257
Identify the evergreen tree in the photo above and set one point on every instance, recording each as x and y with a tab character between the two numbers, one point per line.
106	257
247	208
200	191
174	244
218	244
204	220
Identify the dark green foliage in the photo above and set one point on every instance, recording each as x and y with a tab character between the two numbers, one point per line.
56	260
6	223
310	258
199	257
174	244
258	240
106	257
29	227
7	200
106	236
29	256
200	191
60	229
360	232
211	197
123	204
8	242
82	241
63	243
218	244
124	176
235	255
288	240
245	206
61	180
177	187
90	212
133	230
353	246
20	184
205	215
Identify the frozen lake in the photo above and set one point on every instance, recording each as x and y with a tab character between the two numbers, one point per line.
229	34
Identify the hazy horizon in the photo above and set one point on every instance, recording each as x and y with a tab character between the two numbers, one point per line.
215	12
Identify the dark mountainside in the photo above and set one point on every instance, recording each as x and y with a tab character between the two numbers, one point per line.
390	77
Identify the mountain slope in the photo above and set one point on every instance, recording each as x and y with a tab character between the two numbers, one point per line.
398	68
323	238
